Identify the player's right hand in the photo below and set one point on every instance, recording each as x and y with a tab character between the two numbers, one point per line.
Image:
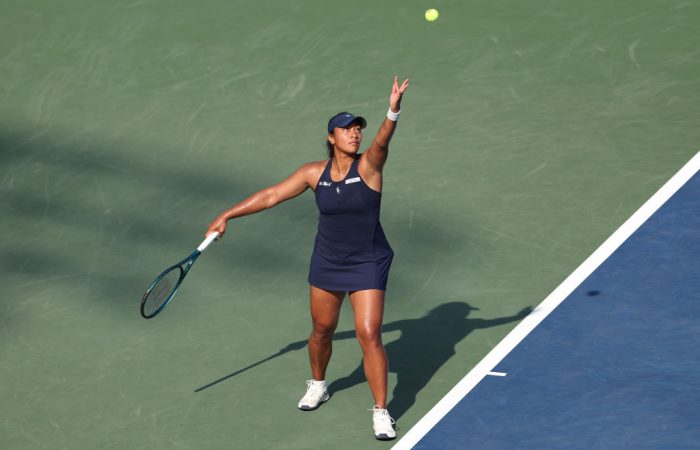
218	225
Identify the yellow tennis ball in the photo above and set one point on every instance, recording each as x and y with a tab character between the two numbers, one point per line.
431	15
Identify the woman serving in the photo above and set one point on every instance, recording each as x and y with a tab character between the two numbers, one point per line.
351	254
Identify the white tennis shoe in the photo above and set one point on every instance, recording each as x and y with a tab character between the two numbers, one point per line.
383	424
316	393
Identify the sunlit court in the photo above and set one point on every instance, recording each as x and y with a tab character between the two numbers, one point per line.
533	282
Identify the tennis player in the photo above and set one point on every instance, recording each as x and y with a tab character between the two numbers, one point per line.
351	254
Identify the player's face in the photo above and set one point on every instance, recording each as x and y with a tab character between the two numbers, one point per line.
347	139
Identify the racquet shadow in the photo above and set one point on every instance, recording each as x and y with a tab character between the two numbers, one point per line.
423	347
293	346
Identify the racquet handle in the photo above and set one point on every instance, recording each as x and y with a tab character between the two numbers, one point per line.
205	243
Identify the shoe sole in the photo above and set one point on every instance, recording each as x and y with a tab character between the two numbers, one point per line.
384	437
312	408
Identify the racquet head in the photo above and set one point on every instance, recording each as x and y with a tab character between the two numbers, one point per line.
164	287
161	291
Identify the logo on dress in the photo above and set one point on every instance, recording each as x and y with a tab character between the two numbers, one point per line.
352	180
324	183
337	190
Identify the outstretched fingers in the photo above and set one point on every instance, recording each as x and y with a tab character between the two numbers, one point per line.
396	89
397	92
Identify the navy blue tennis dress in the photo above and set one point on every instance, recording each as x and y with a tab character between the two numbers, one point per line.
351	252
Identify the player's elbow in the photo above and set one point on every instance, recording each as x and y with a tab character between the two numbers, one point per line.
272	198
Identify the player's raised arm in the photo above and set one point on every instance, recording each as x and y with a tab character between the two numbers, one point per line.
298	182
378	151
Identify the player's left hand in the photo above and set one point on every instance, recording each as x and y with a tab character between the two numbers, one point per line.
396	94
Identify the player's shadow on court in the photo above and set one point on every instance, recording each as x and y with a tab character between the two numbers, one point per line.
425	345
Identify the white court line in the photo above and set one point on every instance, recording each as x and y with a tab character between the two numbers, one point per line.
553	300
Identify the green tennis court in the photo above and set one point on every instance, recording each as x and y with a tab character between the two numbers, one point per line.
530	132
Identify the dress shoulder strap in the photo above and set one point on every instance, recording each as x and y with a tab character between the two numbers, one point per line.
353	169
327	170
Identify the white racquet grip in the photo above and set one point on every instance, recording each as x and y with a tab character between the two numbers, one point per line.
205	243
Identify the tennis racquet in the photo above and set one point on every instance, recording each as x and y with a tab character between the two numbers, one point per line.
165	286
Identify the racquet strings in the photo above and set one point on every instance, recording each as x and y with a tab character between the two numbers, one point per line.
162	291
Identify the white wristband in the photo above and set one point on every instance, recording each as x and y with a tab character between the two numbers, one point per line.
393	116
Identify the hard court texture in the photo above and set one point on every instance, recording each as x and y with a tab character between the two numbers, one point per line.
530	131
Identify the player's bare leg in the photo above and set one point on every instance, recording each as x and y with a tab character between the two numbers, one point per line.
368	306
369	310
325	310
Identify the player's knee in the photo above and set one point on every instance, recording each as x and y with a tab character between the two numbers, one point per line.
369	336
322	331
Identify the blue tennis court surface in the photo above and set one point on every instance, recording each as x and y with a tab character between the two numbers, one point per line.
614	366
